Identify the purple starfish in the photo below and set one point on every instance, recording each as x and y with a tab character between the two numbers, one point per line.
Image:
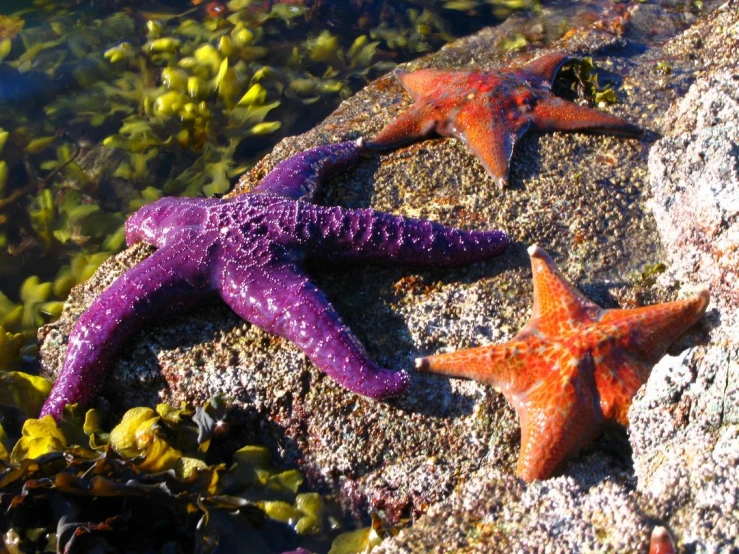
250	250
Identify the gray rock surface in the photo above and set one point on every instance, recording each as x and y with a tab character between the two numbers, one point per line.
685	422
448	448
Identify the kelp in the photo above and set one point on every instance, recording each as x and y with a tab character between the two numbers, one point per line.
153	482
586	83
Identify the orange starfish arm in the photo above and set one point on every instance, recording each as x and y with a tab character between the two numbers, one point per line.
558	305
638	339
558	416
423	117
422	83
661	542
417	122
546	66
500	365
658	326
492	142
554	114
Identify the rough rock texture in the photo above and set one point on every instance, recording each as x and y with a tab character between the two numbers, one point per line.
448	448
694	174
685	422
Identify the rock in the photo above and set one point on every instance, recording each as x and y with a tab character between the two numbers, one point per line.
694	177
448	448
685	421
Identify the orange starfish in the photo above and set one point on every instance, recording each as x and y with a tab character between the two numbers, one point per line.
490	111
573	368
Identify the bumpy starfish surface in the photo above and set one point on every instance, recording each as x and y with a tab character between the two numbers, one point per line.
573	368
250	251
490	111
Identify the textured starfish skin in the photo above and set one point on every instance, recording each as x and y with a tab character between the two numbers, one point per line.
250	251
489	112
574	368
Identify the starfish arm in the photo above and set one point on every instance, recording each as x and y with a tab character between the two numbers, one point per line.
555	114
491	141
661	542
647	332
558	305
415	123
300	176
504	366
346	235
164	282
158	223
280	299
547	66
424	83
559	415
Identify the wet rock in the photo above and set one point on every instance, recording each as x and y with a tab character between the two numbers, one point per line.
447	449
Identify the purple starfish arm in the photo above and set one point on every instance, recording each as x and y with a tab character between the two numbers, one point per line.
300	177
162	283
340	234
285	302
250	249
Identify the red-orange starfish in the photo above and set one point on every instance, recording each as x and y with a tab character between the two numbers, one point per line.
573	368
491	111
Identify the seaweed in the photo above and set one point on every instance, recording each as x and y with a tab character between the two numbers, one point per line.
153	481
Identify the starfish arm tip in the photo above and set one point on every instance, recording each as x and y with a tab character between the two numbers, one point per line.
394	384
536	251
705	294
361	143
422	364
661	541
